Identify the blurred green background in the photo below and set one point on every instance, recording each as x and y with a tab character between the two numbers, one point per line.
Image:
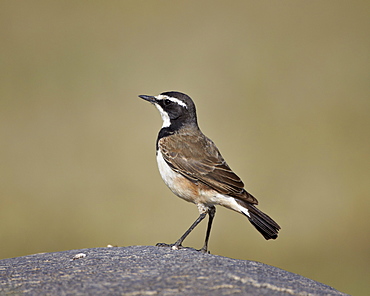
282	87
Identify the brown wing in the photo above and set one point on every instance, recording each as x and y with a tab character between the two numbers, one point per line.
197	158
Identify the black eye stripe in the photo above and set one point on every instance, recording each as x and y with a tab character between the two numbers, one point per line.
171	103
167	102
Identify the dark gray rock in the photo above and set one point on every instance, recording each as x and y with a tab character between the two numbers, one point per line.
148	270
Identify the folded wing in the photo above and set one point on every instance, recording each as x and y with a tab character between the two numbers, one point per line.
198	159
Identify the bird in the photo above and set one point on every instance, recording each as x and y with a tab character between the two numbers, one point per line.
193	168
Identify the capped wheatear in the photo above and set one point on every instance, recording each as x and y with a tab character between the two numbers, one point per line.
192	167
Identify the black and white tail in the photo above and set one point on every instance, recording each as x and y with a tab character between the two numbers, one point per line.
261	221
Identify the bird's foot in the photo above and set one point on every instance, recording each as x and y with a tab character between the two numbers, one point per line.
204	251
172	246
175	246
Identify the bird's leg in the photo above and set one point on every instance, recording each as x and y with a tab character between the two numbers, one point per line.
178	245
211	215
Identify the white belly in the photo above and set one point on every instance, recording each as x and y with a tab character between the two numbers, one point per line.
190	192
176	181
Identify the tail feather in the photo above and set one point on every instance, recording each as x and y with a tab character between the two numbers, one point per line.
261	221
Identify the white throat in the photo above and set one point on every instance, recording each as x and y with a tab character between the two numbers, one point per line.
164	115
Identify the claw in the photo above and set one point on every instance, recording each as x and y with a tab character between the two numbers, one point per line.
172	246
179	247
204	251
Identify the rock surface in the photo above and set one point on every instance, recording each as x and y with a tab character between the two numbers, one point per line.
148	270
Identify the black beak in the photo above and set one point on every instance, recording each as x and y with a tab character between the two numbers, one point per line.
150	99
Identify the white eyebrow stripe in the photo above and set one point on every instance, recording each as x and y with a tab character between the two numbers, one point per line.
163	97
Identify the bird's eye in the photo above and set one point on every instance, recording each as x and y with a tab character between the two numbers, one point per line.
166	102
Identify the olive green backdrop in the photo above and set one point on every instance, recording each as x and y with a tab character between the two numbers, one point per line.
282	87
